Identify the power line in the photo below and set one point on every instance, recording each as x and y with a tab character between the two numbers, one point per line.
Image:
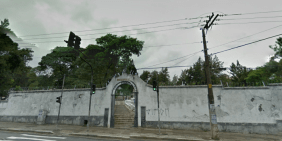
127	34
110	27
246	44
155	31
163	67
246	22
171	45
185	59
248	18
246	37
112	31
251	13
175	59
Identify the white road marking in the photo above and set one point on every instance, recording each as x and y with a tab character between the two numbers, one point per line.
36	139
44	136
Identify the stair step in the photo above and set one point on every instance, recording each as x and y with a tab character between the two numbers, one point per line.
125	117
123	126
124	122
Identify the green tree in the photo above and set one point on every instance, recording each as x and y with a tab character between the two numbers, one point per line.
59	62
153	76
125	89
145	76
277	48
13	69
163	76
174	80
239	73
110	56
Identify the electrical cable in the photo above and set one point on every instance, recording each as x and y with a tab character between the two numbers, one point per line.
155	31
185	59
174	59
163	67
112	31
127	34
246	36
109	27
222	44
251	13
246	44
248	18
171	45
246	22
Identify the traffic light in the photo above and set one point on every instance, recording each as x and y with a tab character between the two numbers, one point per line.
154	85
59	99
71	40
77	42
93	88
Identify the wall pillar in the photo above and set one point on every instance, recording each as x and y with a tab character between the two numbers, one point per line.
112	121
136	110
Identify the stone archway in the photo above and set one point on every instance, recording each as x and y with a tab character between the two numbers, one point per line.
135	91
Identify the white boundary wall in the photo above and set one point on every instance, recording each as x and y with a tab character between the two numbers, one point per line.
177	103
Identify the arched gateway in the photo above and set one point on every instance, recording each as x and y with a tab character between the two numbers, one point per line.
124	79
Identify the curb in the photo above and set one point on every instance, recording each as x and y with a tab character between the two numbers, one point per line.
26	130
134	137
162	138
101	135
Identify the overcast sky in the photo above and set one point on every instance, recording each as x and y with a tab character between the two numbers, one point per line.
35	17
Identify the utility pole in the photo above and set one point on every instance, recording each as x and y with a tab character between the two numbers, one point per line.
212	113
61	97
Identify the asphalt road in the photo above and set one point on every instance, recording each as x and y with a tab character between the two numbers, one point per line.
17	136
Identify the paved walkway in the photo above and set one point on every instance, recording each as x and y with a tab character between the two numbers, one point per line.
129	133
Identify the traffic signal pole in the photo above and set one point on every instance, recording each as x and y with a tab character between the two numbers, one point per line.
61	97
158	103
156	88
74	41
90	100
212	113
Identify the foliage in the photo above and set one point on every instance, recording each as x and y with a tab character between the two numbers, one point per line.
13	69
125	89
277	48
196	74
145	76
239	73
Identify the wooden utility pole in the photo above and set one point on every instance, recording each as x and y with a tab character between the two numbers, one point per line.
212	113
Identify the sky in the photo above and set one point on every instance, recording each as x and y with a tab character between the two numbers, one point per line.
164	26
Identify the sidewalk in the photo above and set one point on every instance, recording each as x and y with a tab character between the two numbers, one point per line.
132	133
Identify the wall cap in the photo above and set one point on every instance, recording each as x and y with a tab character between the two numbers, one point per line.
55	90
238	88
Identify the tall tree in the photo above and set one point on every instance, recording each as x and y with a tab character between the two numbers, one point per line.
174	80
239	73
58	62
164	76
13	60
277	47
145	76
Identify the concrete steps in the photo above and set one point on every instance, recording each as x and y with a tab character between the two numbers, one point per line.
124	118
